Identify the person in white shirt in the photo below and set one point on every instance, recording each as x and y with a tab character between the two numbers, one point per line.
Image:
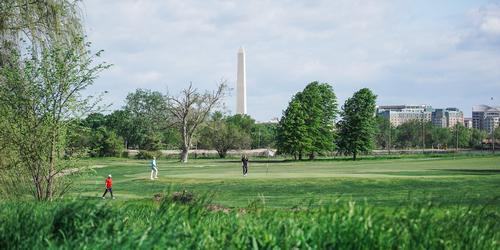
154	169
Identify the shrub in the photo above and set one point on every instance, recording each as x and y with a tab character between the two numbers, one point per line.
183	197
146	155
125	154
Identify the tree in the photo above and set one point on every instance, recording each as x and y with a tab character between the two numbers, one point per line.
264	135
104	142
320	106
477	138
190	109
39	92
291	130
358	126
222	134
42	23
44	66
441	137
148	113
496	134
385	133
120	122
242	121
460	136
318	110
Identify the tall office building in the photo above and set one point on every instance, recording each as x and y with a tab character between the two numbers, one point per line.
399	114
485	117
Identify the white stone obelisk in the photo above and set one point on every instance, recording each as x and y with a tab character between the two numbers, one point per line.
241	84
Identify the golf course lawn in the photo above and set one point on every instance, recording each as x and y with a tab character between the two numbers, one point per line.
386	183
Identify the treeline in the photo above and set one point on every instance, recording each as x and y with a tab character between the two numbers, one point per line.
418	134
144	123
308	124
311	125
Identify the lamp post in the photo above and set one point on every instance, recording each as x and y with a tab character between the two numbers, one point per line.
389	142
423	133
493	137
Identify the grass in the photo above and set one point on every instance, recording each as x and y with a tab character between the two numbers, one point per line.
384	182
376	203
168	225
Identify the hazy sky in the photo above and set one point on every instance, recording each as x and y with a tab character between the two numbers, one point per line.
442	53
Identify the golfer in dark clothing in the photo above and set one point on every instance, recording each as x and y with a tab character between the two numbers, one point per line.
244	160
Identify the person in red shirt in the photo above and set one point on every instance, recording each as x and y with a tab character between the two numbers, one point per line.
109	184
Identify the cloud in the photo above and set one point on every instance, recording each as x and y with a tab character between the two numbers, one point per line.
422	52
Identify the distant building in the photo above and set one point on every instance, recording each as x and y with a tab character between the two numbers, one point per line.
485	117
453	117
399	114
439	118
468	122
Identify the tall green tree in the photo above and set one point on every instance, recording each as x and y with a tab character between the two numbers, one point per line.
358	125
39	92
291	131
320	106
45	63
316	118
148	114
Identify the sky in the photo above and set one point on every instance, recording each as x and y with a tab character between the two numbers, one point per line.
440	53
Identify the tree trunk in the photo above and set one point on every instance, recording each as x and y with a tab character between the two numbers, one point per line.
184	155
311	156
354	156
222	153
186	143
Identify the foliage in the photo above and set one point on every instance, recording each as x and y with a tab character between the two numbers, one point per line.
441	137
147	155
291	130
189	111
320	105
264	135
477	137
338	225
26	25
39	92
358	125
385	137
145	116
104	143
307	124
223	133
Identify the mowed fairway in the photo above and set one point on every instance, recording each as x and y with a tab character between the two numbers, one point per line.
447	181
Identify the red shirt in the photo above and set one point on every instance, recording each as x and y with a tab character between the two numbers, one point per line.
109	183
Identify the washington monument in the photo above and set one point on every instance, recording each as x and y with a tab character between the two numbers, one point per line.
241	84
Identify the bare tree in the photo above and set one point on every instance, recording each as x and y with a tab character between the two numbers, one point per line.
190	109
